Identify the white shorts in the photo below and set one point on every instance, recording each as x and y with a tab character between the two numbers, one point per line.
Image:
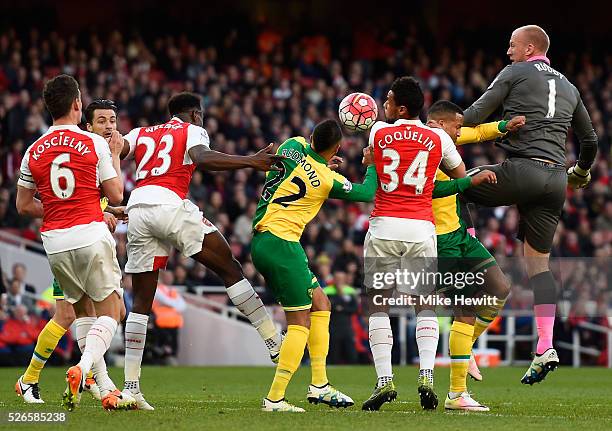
407	262
154	229
92	270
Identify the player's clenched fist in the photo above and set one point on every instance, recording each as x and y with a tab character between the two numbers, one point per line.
110	221
484	177
115	143
265	159
577	177
368	156
334	163
515	123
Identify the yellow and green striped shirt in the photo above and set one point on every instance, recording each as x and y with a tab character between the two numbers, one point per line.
293	196
446	210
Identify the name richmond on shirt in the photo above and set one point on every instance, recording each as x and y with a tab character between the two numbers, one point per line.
59	140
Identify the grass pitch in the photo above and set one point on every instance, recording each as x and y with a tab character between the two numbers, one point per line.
224	398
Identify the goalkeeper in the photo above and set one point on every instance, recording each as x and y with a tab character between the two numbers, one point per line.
533	177
458	251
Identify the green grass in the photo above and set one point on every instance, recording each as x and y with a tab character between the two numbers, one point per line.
229	398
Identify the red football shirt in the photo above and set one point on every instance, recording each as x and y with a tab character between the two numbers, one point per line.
66	165
163	165
407	154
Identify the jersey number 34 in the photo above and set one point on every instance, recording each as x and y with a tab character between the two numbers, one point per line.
414	175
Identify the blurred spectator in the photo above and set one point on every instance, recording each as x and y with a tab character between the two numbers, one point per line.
128	293
5	351
343	300
168	307
16	296
19	333
19	275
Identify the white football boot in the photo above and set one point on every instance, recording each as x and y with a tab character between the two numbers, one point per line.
464	402
30	392
279	406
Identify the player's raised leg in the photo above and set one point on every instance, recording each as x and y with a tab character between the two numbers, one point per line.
320	390
217	255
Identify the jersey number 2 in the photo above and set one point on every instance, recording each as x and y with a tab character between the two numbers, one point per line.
284	200
418	166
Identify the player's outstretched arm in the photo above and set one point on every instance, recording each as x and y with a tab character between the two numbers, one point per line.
263	160
489	131
27	204
364	192
491	99
443	189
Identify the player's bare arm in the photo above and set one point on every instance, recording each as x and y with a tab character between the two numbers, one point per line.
118	212
443	189
125	149
457	172
263	160
27	204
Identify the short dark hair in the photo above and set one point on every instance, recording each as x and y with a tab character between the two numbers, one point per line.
443	108
98	104
59	93
184	102
325	135
407	92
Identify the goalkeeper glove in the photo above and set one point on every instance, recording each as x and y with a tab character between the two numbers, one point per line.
577	177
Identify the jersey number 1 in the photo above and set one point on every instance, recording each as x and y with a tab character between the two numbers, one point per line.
552	98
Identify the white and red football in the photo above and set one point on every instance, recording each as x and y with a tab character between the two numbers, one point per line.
358	111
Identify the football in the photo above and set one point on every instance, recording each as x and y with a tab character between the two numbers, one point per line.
358	111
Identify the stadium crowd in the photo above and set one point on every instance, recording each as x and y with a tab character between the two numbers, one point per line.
282	88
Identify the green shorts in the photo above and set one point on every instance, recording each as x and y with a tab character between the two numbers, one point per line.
58	293
460	252
284	265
